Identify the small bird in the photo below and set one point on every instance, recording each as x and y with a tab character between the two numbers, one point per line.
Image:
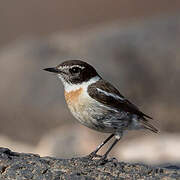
97	104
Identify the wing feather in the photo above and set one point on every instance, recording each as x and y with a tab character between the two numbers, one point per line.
105	93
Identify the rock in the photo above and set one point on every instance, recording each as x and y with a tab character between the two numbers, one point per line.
15	165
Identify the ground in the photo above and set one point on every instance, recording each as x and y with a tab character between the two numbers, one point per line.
15	165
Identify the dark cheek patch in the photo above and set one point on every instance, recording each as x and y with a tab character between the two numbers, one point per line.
85	75
75	80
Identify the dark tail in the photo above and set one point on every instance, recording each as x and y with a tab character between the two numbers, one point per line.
147	125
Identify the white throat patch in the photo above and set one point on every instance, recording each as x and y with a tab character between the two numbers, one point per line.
73	87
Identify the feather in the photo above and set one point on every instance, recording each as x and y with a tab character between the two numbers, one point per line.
147	125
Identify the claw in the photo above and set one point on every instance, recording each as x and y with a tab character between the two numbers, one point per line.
102	161
93	155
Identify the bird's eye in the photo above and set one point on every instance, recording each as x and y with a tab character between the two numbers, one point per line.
74	70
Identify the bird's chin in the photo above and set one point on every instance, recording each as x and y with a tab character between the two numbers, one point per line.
62	79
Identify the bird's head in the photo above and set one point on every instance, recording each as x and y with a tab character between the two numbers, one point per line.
74	72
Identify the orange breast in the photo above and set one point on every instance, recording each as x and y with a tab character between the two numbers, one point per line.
72	96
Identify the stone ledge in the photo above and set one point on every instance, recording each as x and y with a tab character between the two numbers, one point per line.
15	165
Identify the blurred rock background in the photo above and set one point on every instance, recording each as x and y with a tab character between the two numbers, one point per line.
133	44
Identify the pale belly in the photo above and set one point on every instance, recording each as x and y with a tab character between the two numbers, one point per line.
93	114
86	110
81	107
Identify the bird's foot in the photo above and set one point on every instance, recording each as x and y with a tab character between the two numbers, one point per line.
93	155
103	160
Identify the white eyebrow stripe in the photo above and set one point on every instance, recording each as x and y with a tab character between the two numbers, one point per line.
110	94
81	67
65	67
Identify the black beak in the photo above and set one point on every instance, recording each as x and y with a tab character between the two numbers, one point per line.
54	70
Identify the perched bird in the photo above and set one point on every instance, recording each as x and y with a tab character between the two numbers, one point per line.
97	104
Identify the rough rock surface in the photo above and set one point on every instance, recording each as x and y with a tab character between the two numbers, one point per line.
15	165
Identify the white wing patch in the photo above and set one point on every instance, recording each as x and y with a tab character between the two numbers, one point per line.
110	94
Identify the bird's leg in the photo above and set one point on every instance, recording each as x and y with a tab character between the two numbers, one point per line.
93	154
103	158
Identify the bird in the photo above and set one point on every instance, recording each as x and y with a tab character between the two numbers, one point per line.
97	104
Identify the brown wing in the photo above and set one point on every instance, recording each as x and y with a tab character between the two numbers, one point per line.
107	94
